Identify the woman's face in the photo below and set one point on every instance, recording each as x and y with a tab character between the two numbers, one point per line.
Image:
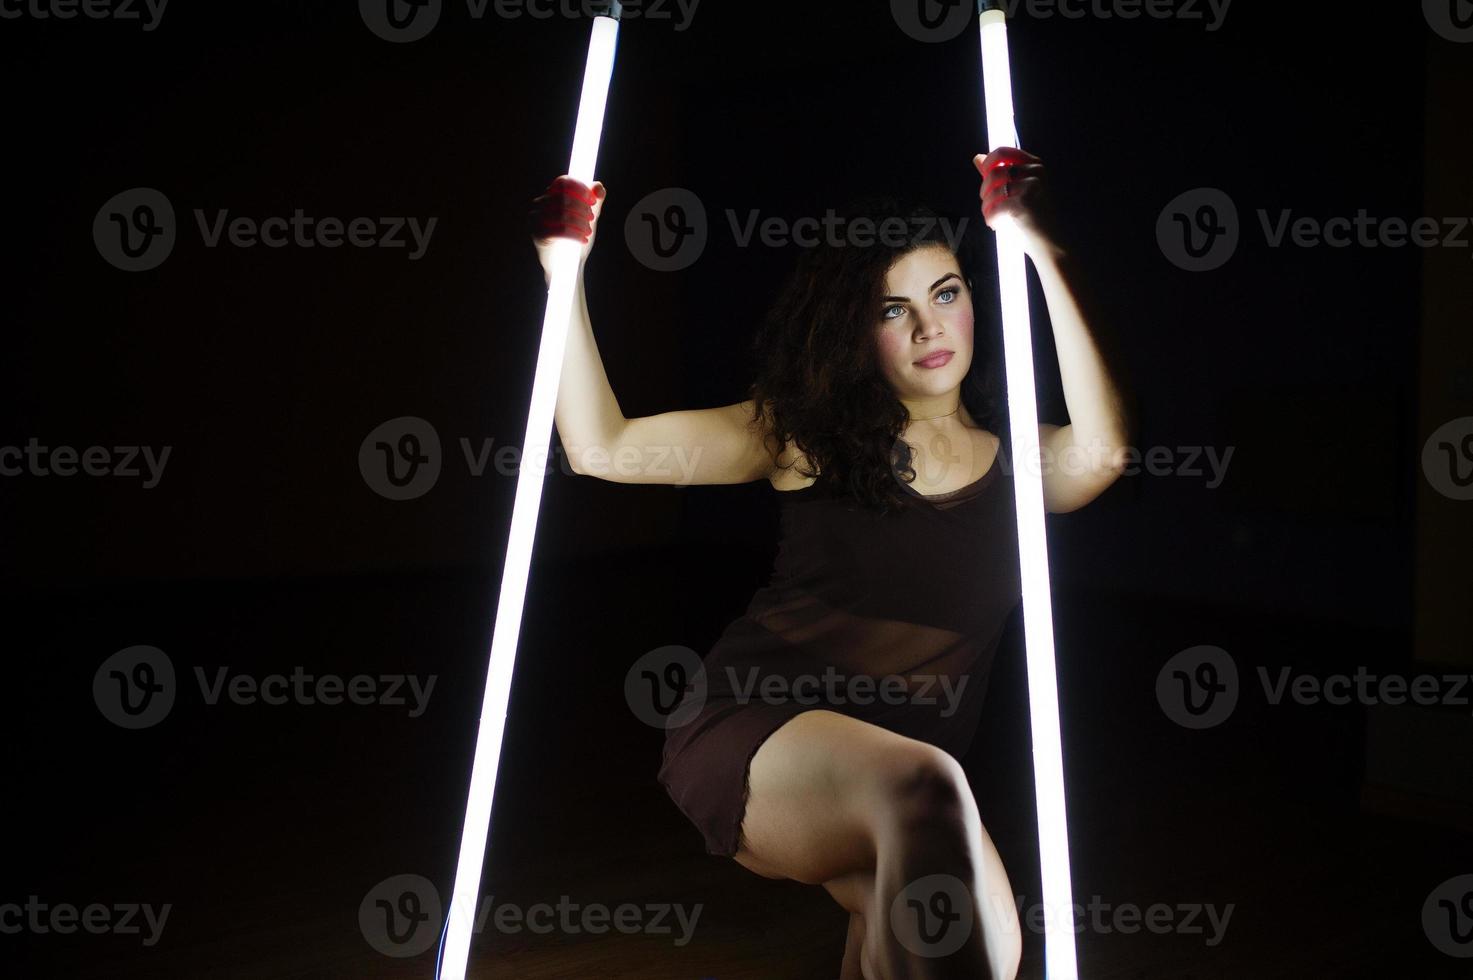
927	308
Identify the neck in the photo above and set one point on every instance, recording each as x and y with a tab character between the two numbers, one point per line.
944	409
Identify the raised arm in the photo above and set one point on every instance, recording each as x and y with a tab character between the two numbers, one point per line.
695	446
1080	459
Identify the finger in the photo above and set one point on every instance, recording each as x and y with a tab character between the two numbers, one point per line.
559	204
577	212
999	177
993	160
1012	189
553	225
1005	167
990	207
1001	205
1016	175
575	188
1020	169
1012	154
1010	175
549	219
1001	156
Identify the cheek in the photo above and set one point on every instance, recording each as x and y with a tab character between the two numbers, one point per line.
961	326
892	348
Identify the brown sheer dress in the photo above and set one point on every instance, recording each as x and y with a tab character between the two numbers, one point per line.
917	598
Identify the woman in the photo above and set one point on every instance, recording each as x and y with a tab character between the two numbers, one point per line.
888	600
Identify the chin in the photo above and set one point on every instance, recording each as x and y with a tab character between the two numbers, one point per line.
938	382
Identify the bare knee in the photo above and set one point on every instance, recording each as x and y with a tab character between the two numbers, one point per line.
923	787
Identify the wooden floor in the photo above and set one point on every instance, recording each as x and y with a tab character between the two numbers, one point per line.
265	829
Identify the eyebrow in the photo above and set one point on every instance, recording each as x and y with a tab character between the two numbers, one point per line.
906	299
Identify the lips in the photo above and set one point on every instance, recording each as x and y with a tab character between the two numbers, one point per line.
935	360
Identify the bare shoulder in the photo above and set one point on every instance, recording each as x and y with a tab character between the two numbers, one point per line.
989	445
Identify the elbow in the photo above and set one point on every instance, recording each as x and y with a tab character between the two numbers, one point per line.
594	461
576	465
1115	461
572	461
577	456
1118	448
1105	458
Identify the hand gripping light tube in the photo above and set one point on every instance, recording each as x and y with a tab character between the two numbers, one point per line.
1038	626
461	915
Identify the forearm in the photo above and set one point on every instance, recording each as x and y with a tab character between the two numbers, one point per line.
1098	417
587	415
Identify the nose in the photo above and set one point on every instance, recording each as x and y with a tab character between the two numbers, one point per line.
928	324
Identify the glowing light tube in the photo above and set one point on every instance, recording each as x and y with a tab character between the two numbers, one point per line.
461	915
1038	624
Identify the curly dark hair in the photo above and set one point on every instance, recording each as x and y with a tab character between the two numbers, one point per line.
819	384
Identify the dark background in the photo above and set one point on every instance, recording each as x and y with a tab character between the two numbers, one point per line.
263	548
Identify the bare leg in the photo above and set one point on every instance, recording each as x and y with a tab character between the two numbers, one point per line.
868	813
855	893
853	943
929	874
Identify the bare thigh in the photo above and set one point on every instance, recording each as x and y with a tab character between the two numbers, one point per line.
816	788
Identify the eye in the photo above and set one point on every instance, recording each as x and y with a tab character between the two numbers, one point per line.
950	289
886	315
